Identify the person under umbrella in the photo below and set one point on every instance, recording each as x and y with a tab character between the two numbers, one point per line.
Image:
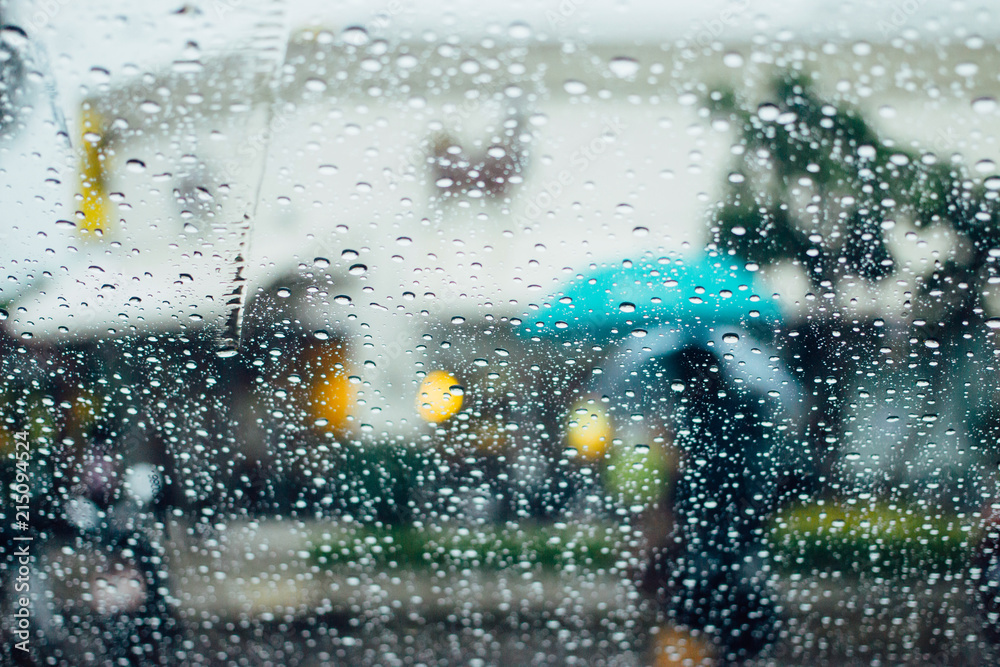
692	352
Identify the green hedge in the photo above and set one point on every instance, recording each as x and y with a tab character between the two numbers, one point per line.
887	539
487	547
890	539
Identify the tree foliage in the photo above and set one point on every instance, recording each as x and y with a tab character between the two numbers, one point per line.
815	183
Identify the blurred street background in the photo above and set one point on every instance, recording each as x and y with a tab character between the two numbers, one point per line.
352	333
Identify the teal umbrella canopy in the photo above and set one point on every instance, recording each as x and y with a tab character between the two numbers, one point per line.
635	296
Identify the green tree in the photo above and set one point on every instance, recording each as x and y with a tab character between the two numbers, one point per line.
816	184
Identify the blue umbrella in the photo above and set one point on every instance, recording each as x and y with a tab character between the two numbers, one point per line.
639	295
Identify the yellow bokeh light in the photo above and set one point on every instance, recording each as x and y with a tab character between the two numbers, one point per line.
332	395
95	207
439	397
588	430
333	399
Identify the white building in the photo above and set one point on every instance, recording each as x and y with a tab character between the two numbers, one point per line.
318	132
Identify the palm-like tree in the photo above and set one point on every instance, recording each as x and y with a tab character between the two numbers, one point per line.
11	74
815	184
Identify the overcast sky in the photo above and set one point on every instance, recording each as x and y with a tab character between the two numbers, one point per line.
603	20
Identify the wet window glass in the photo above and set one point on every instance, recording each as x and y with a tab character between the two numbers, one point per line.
499	333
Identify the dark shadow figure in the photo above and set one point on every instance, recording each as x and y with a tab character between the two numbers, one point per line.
706	571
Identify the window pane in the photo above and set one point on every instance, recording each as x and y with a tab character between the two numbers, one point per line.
492	333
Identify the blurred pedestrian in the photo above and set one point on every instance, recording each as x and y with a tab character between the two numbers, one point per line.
706	569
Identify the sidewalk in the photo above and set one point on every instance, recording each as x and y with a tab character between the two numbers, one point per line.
262	573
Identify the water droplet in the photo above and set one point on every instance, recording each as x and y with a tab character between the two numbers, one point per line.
574	87
355	36
321	334
321	262
342	300
150	107
966	69
327	169
357	270
349	254
135	166
639	333
624	67
867	152
519	30
538	119
730	338
861	48
984	105
100	75
932	343
887	111
458	319
733	60
993	323
768	112
284	292
315	85
626	307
